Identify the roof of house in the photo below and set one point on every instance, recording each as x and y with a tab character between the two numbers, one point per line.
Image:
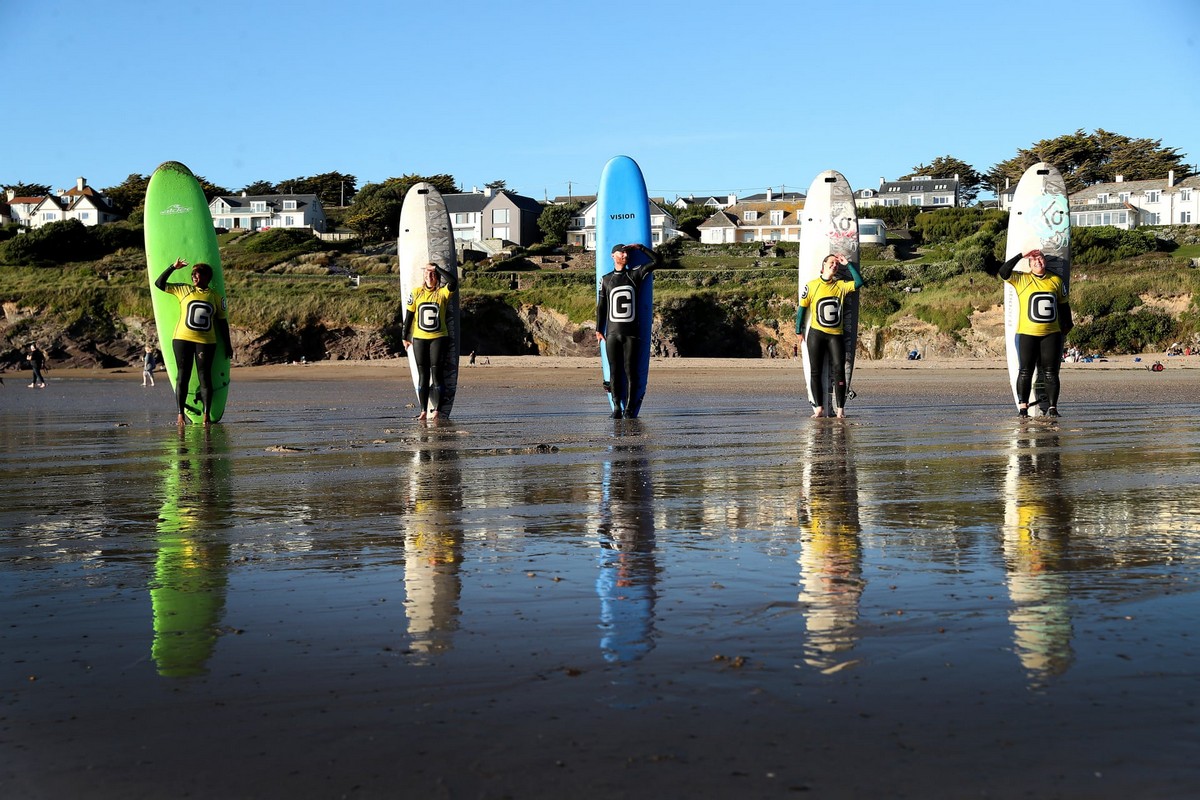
781	196
720	219
1133	187
470	202
920	185
273	201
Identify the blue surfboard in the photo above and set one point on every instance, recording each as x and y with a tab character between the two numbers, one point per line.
623	217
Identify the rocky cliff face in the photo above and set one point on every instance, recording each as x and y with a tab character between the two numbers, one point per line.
691	327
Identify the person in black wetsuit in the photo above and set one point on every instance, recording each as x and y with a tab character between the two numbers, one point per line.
618	327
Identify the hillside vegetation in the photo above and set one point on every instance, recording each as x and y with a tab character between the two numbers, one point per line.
82	294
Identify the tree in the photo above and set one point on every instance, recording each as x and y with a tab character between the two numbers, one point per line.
28	189
128	197
375	213
689	218
554	221
497	185
1085	159
969	181
259	187
331	187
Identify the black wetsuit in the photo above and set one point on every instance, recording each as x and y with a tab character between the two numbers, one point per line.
1041	352
616	320
429	349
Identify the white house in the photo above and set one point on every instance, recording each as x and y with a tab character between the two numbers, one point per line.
263	211
1130	204
582	230
923	191
754	221
708	201
82	203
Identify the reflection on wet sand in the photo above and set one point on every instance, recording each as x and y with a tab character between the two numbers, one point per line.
433	548
628	572
1037	530
191	565
831	574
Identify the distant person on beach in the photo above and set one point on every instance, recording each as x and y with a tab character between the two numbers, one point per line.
1044	323
37	360
618	327
823	297
149	363
202	315
426	331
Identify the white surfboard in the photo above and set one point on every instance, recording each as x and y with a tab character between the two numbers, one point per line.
1038	219
426	237
829	225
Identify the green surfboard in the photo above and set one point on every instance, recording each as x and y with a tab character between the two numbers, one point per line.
178	225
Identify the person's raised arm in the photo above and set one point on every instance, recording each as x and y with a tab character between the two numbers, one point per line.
161	281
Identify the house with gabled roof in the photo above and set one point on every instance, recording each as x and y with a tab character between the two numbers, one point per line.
755	221
480	215
708	201
581	232
262	212
926	192
82	203
1130	204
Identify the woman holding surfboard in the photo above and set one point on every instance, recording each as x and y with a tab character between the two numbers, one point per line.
202	316
1045	320
428	308
823	297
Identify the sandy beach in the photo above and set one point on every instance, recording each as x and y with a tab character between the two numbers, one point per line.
321	597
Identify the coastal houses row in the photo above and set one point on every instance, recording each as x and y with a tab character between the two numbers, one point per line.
492	219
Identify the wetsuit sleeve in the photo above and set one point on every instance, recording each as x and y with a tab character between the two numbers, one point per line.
161	281
1066	323
800	314
223	329
856	275
1006	269
449	277
407	327
645	269
601	307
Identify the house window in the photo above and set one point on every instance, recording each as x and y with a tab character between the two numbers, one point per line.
914	199
289	205
259	206
460	219
1153	196
777	217
83	215
891	201
289	222
499	233
1185	195
941	200
1185	217
749	216
1123	197
499	216
1150	217
1102	198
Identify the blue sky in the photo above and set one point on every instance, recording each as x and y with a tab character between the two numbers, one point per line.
708	97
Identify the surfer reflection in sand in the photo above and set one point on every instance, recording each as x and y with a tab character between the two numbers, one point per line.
831	579
433	551
1037	528
628	571
187	592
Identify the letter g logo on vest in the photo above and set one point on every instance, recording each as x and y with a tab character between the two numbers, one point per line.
1043	307
829	312
622	304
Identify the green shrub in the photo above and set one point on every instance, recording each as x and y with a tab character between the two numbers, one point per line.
281	240
955	224
1124	333
55	243
1105	244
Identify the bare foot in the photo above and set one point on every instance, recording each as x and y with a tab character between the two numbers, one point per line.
181	421
818	412
206	421
433	415
422	415
841	413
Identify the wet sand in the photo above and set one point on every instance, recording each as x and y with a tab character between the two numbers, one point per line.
323	598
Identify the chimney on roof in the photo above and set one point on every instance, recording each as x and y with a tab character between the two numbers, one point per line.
1120	179
956	176
80	183
732	200
881	181
487	191
10	193
770	194
1170	178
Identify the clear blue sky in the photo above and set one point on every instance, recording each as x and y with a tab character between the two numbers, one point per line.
708	97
